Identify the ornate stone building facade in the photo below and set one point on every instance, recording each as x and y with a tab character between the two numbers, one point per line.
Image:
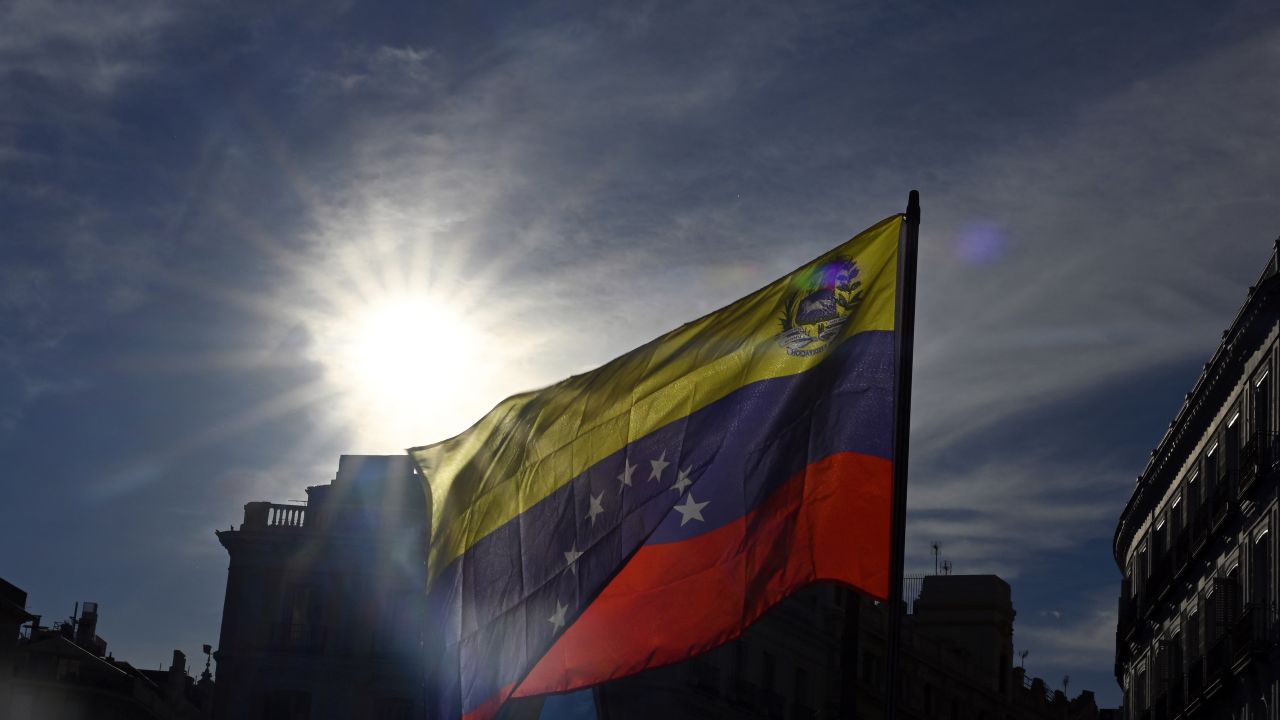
1197	542
323	612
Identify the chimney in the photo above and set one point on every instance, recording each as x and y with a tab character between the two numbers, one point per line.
87	627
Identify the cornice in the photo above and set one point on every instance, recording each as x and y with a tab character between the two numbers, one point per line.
1200	406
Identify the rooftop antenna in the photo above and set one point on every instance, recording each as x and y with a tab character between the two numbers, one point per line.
1022	659
1066	680
946	567
937	552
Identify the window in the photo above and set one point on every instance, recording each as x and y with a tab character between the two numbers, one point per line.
302	605
1175	517
1260	571
67	669
1191	636
299	627
1194	495
1141	568
1261	406
1233	447
1211	465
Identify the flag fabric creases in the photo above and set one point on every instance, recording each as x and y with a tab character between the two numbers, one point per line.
650	509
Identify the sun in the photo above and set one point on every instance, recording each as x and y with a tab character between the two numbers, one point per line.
398	342
401	357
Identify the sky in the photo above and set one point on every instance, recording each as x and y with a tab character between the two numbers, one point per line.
237	242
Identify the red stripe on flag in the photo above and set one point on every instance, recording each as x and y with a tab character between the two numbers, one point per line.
674	600
489	708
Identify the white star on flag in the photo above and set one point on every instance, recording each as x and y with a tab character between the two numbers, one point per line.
624	477
658	466
596	508
557	617
682	480
691	510
571	557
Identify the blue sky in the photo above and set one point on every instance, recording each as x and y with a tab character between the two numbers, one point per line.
209	214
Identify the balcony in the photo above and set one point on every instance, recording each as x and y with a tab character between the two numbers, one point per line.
260	515
1250	635
1128	621
1222	504
1198	525
1180	553
298	638
1258	459
1195	679
1158	581
1217	662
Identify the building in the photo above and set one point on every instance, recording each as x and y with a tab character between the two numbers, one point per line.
13	615
1195	636
324	611
64	673
324	604
821	654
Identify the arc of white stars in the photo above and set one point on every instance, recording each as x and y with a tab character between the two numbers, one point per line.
691	510
596	507
658	466
624	477
571	558
557	617
682	480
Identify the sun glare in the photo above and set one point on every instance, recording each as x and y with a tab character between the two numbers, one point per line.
403	357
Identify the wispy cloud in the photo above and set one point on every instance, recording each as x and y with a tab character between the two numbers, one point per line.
90	46
1006	513
1084	637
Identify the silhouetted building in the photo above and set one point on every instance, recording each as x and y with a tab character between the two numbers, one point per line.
324	606
821	654
13	615
1196	632
64	673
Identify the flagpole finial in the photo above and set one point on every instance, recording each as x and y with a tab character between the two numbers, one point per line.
913	207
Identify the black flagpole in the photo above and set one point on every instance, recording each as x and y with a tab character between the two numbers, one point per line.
906	327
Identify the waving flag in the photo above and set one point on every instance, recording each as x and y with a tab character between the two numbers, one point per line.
651	509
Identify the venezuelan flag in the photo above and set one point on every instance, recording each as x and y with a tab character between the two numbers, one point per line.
651	509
